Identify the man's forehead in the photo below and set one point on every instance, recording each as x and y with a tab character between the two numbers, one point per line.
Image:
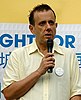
43	13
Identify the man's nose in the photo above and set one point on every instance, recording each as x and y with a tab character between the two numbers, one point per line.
48	25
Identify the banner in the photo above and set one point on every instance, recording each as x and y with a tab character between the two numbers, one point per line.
13	36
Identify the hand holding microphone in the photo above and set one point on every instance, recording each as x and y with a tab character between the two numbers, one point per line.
48	62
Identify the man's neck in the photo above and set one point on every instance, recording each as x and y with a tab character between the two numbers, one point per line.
42	48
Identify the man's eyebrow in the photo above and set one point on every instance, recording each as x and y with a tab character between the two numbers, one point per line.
42	22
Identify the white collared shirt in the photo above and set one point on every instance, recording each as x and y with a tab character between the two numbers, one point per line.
26	60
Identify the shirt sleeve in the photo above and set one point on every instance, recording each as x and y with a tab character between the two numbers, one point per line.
11	71
75	76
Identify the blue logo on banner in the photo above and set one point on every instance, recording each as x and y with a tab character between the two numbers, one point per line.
6	40
69	40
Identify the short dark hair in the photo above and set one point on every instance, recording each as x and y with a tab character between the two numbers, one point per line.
39	8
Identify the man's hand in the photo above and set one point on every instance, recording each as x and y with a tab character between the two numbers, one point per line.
78	97
48	61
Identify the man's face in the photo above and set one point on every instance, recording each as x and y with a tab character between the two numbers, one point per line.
45	26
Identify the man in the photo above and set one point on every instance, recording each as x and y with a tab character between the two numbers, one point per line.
26	76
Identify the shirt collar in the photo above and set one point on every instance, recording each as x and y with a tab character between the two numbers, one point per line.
57	48
33	48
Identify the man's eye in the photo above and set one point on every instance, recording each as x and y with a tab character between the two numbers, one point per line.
51	22
42	23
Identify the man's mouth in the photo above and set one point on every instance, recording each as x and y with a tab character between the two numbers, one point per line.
48	35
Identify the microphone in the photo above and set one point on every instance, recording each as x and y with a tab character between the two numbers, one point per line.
49	48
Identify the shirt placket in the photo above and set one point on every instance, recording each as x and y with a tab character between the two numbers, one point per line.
45	86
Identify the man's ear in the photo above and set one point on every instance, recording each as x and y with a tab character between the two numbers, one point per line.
31	28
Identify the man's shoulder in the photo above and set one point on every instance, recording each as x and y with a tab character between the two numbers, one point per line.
66	50
21	50
62	49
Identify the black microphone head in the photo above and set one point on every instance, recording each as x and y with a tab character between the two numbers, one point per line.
49	45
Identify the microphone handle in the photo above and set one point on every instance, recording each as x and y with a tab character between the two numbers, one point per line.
50	70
